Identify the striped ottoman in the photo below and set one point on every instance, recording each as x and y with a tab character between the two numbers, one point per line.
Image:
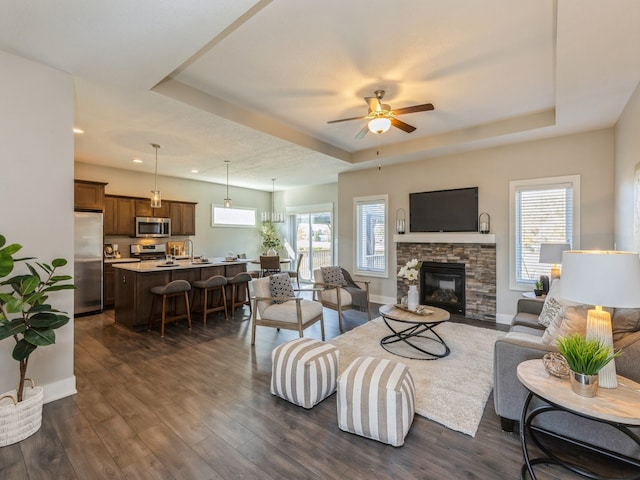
376	399
304	371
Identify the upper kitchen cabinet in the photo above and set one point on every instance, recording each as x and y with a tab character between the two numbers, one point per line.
183	218
143	209
119	215
88	195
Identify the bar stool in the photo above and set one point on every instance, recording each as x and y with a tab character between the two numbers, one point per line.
172	289
239	282
216	282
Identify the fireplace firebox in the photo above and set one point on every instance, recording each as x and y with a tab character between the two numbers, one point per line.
442	285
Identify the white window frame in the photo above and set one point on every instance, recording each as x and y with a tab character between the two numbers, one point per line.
216	224
358	269
539	184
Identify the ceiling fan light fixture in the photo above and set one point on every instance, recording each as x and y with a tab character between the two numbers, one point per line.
379	125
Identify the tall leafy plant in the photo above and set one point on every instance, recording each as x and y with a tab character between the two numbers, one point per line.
269	236
25	314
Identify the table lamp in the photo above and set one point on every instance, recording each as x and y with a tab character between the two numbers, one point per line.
601	278
552	253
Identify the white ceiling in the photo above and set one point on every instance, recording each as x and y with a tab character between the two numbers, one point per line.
255	82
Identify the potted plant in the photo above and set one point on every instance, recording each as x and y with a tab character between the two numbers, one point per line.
27	318
539	288
270	240
585	359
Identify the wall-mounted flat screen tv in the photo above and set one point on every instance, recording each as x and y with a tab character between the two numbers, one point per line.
444	210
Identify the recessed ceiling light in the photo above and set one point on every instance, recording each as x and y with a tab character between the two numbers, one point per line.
137	160
77	130
195	171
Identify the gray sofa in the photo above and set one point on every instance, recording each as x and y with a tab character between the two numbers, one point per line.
523	342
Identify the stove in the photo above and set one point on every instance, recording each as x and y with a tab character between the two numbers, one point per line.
149	252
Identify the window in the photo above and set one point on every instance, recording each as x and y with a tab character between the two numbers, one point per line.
371	242
233	216
543	210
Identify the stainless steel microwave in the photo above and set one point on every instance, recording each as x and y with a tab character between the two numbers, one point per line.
153	227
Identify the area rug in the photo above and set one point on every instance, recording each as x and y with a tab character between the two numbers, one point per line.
452	390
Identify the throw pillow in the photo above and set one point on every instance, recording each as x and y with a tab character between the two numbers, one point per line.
333	275
280	287
572	319
550	310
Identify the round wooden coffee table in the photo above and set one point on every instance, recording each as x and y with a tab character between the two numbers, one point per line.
414	330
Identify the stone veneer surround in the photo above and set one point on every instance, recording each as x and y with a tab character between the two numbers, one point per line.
480	268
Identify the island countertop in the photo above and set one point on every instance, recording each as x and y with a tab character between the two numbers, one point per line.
133	283
162	266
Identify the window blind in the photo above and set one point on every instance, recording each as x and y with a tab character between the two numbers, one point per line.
544	214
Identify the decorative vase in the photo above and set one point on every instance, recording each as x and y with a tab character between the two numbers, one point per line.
584	385
272	252
412	298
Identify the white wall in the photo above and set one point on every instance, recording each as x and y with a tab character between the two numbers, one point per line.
589	154
36	194
627	142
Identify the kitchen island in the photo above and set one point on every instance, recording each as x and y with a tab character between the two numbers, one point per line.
133	282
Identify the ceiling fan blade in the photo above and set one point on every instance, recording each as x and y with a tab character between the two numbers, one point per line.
346	119
415	108
362	132
402	126
374	104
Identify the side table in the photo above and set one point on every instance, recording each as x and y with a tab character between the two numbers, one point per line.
617	407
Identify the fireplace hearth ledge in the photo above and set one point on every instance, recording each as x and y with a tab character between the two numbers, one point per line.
453	237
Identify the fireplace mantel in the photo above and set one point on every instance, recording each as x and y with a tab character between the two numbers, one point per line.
453	237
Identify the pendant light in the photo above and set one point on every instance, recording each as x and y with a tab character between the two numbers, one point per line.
273	216
227	201
156	199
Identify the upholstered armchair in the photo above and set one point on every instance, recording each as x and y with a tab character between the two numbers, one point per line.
274	305
338	291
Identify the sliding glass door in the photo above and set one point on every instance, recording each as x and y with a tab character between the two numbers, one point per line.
312	236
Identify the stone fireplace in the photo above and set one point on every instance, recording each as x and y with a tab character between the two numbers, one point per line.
476	253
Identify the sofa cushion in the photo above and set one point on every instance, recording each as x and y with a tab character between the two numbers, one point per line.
625	321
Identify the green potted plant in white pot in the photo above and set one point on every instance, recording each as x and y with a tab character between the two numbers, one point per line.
585	359
270	240
29	320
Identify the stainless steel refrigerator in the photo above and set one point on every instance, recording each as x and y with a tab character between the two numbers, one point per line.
88	262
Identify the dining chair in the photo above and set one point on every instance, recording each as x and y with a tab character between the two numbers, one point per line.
269	264
296	273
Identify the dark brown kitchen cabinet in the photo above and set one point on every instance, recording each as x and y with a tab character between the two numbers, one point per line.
143	209
88	195
183	218
119	215
108	287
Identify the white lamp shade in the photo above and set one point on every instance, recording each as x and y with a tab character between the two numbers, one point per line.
552	252
379	125
605	278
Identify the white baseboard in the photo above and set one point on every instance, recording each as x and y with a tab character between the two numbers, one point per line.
60	389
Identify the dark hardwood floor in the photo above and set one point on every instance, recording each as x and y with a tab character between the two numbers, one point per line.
196	405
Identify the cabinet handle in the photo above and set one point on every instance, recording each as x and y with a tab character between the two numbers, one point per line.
124	279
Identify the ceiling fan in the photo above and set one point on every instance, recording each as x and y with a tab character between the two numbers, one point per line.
380	116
